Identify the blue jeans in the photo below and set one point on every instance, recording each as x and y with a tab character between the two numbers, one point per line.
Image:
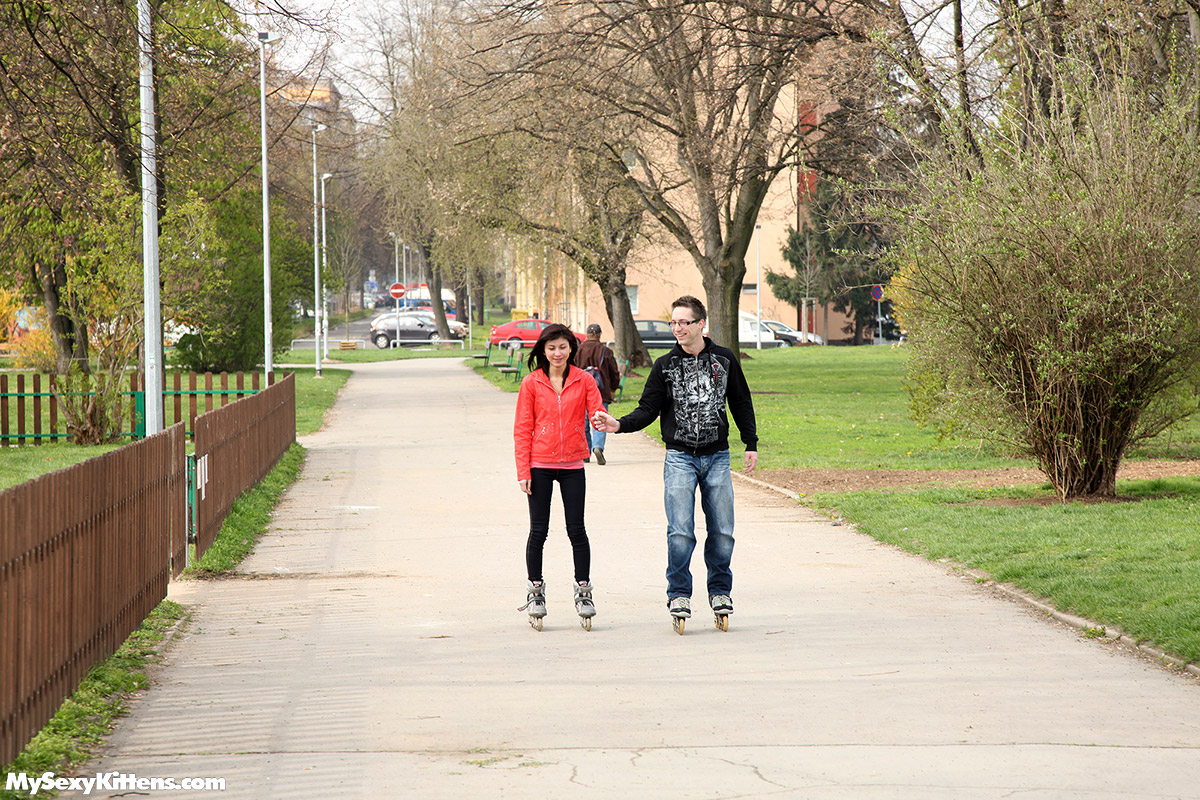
595	438
682	473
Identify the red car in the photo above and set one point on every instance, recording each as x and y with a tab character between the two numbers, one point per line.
524	332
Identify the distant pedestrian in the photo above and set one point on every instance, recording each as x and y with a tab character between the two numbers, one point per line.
554	404
597	359
687	390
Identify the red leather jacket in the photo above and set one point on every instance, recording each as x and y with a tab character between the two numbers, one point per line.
549	426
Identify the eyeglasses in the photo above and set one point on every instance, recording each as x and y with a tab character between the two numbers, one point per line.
682	323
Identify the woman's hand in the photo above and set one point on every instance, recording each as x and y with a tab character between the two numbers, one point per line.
524	486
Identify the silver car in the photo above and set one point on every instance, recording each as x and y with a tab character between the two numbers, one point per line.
416	327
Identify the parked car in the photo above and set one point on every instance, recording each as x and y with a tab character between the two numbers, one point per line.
523	332
655	333
790	335
748	324
384	301
415	327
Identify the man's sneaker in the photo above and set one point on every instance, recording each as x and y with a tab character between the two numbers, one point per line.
721	604
598	452
680	607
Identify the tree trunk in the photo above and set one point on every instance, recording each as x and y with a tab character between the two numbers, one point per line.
723	289
435	296
70	341
616	303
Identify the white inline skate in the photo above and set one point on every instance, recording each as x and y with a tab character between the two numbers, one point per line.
722	606
536	604
584	605
681	609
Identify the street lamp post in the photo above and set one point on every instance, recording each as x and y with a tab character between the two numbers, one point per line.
324	337
151	301
758	286
264	39
396	244
316	128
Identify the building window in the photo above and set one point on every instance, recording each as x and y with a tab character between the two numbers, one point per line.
749	288
632	291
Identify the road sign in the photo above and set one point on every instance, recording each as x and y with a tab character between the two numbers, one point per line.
396	290
877	292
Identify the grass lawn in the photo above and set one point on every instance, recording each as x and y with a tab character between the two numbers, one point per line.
1133	564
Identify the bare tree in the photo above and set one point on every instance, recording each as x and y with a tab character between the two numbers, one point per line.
701	89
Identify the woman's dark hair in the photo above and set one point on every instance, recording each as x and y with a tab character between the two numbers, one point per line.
537	356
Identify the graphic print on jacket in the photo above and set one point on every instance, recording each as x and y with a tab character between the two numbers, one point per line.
698	387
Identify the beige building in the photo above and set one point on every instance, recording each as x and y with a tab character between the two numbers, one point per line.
543	282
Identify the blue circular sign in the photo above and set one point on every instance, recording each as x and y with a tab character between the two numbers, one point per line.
877	292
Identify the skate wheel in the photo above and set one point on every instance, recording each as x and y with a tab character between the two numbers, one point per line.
585	623
535	623
677	624
722	622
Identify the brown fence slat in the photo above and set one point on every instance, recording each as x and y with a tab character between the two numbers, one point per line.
177	398
53	404
85	556
21	408
236	446
37	409
4	429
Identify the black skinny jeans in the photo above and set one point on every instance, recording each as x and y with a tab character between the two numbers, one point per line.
572	486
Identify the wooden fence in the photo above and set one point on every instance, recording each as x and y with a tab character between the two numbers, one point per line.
85	554
29	410
236	446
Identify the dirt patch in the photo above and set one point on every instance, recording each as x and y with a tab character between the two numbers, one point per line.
808	481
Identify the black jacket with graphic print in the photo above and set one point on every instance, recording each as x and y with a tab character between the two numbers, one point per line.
689	394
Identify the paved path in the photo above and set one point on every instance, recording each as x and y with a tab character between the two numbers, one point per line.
373	649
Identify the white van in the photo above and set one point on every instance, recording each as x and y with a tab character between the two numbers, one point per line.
747	325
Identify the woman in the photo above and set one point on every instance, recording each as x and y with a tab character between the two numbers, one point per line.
555	401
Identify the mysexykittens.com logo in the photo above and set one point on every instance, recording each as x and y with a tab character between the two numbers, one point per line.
108	782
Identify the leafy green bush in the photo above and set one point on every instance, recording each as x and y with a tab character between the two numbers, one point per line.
1050	280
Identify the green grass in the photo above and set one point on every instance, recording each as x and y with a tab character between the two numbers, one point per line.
1133	564
89	713
249	518
373	354
315	396
837	407
19	464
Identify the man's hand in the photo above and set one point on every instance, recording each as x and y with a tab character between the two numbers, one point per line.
525	486
603	421
751	460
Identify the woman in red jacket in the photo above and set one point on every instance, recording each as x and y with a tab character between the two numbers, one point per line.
555	402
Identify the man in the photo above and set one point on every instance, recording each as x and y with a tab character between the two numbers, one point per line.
688	389
593	353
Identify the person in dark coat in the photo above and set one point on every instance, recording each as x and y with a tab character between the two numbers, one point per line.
597	359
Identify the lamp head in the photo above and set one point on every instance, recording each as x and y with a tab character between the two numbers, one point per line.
318	127
266	37
327	176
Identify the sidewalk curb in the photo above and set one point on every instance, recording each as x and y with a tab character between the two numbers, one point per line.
1109	633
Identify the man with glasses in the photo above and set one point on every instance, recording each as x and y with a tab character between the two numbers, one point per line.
688	389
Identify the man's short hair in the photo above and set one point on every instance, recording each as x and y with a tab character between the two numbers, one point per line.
689	302
593	329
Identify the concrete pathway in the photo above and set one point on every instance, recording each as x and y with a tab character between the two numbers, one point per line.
372	648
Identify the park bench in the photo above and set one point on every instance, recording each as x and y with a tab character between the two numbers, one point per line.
509	369
485	355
